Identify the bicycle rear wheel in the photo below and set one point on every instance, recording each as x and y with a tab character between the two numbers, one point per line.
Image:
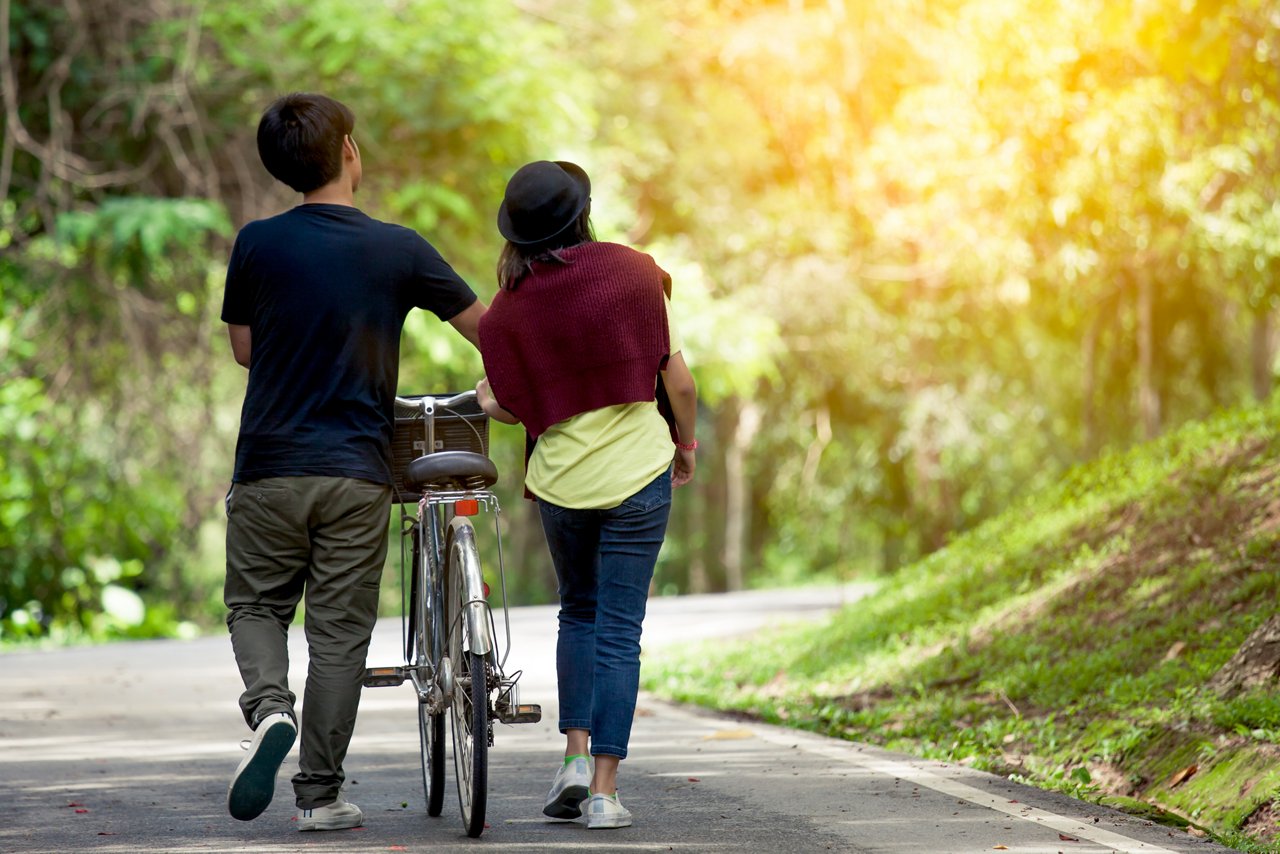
470	706
430	726
431	738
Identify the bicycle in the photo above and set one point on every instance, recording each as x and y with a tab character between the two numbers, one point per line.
447	628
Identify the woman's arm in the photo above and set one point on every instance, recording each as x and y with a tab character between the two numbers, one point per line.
684	406
489	403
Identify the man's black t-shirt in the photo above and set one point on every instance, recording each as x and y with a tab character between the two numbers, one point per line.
325	290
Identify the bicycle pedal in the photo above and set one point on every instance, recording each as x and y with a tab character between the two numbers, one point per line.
525	713
383	677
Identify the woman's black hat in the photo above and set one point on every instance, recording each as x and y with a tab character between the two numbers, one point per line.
543	199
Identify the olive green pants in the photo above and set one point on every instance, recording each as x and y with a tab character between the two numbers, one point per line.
324	538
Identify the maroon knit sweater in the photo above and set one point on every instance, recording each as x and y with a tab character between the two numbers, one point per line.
579	336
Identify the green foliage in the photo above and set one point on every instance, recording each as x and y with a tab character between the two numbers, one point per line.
119	394
926	258
958	218
93	495
1067	642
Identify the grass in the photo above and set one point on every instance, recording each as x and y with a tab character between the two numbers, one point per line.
1066	643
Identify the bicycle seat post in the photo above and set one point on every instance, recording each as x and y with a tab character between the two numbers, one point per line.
429	416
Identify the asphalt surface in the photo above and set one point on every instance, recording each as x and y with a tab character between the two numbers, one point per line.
129	748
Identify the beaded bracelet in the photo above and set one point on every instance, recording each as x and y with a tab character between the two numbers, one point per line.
692	446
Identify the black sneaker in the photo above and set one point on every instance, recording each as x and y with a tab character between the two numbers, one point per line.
255	780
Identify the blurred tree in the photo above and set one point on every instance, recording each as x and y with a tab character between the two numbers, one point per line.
926	254
970	224
119	387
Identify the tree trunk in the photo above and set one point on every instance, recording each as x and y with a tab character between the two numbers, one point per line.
1148	397
897	499
745	421
1255	665
1260	354
528	567
1087	391
696	524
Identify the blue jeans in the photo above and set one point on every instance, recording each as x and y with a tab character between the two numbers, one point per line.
604	560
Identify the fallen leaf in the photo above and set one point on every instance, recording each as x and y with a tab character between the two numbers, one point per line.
1195	831
1183	776
1063	837
397	848
75	804
81	811
1000	848
106	833
694	780
1175	651
729	735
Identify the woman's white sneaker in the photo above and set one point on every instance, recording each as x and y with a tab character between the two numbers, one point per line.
605	811
338	815
569	789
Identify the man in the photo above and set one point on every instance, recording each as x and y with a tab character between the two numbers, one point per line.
315	301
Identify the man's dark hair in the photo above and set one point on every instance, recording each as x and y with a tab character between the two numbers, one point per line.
300	139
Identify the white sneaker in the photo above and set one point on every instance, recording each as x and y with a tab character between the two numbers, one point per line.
254	782
569	789
338	815
605	811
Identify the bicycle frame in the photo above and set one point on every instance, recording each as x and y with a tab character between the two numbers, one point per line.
448	625
429	668
475	610
433	686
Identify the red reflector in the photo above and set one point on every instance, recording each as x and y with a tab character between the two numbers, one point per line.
486	589
466	507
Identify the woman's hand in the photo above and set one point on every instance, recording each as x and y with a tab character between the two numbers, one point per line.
490	405
684	406
682	467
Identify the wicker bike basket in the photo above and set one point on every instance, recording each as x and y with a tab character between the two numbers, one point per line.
465	427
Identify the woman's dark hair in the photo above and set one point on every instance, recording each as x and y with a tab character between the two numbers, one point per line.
300	139
516	260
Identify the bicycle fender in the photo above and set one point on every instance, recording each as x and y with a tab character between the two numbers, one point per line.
466	559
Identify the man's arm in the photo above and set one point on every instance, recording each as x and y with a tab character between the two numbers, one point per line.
467	322
241	342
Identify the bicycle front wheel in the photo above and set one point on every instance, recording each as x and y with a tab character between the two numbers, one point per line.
470	706
471	742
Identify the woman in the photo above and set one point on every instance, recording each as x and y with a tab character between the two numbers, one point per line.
578	348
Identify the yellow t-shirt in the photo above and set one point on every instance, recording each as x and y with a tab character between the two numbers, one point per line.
597	459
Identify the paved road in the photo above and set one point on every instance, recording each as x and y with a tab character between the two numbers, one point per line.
128	748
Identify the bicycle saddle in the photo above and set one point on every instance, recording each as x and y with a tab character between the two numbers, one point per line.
458	469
